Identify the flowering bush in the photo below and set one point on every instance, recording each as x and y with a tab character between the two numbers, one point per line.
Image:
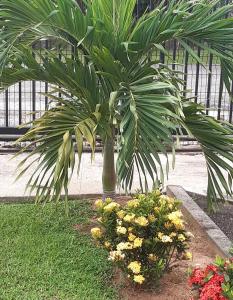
144	236
214	282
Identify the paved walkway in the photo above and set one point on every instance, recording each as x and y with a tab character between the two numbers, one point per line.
190	172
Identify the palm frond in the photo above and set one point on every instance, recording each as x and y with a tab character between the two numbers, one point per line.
150	115
204	24
215	138
110	82
25	22
53	136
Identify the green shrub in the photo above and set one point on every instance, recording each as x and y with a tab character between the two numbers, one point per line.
144	236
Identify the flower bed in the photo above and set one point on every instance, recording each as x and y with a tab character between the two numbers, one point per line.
174	283
214	282
143	237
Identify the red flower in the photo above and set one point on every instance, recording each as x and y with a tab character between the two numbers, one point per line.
211	268
196	277
216	279
209	282
212	291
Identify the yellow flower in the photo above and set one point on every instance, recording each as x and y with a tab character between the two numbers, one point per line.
130	229
171	201
133	203
189	234
157	193
170	206
141	197
121	230
96	233
163	200
151	218
175	215
172	234
139	279
116	255
142	221
160	235
166	239
137	242
129	218
124	246
135	267
107	244
152	257
179	224
175	218
121	214
168	225
156	209
181	237
99	203
111	206
131	237
188	255
108	200
119	222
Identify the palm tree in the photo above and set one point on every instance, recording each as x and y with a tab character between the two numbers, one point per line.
110	87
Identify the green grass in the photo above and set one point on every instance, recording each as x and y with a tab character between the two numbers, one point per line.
43	258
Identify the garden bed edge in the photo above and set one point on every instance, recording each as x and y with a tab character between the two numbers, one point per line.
196	215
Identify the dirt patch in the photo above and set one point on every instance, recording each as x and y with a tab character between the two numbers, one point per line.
86	228
173	286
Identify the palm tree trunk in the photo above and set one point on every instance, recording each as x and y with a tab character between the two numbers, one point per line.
109	173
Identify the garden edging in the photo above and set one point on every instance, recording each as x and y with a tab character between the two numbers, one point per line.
196	215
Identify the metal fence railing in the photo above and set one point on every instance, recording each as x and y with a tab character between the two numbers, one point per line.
206	87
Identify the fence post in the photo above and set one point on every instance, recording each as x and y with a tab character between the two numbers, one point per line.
197	74
20	103
7	108
209	83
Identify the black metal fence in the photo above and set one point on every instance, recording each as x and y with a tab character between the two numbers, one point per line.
203	82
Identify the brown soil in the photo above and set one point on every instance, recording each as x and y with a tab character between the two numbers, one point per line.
173	286
84	228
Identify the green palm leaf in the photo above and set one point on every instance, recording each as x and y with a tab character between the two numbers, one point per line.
215	138
53	133
109	85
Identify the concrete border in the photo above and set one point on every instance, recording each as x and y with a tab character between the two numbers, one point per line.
196	215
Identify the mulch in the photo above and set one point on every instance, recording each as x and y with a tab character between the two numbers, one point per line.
223	216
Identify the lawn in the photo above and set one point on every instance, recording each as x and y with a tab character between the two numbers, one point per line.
43	257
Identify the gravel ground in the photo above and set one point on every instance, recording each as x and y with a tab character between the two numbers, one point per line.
223	217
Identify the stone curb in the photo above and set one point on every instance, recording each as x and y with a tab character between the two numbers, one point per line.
198	216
